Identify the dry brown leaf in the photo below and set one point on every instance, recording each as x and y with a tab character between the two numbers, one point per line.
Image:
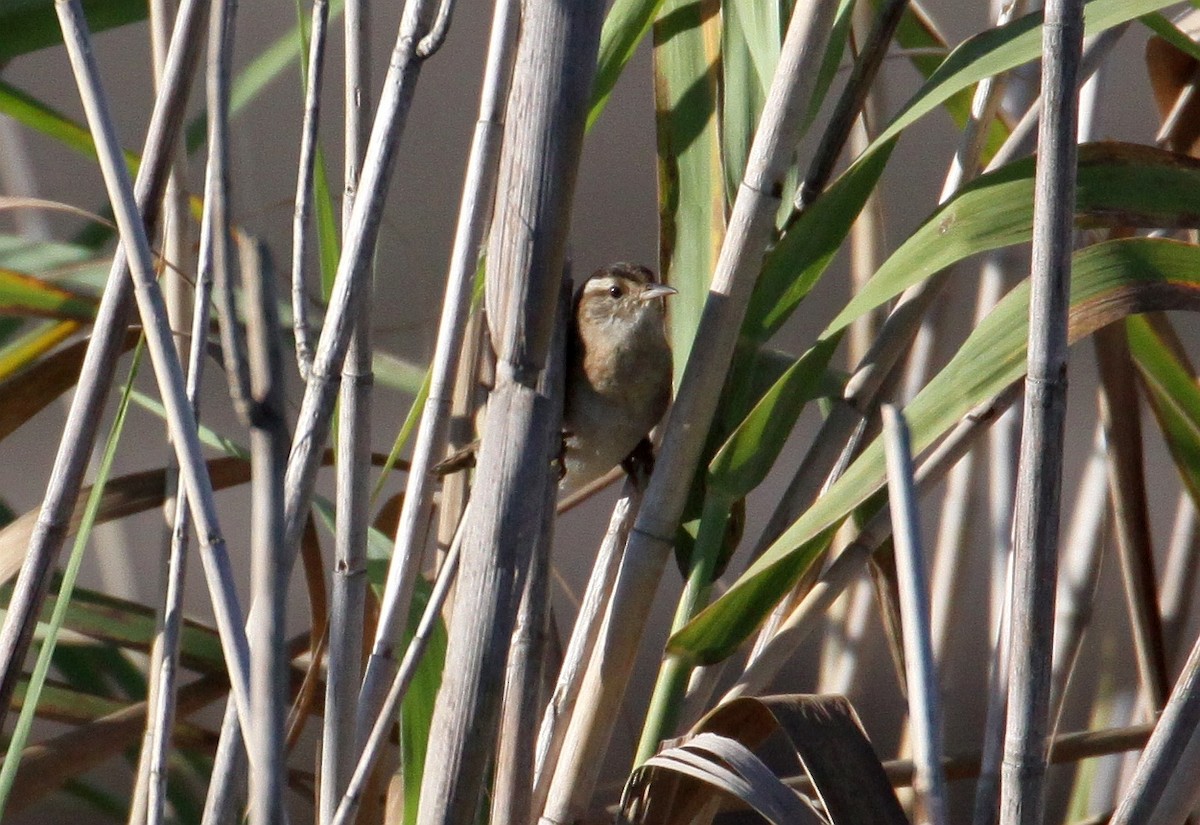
824	734
26	394
1172	72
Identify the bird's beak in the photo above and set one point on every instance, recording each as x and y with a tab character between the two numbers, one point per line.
658	291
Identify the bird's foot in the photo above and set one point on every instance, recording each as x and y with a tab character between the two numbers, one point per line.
639	464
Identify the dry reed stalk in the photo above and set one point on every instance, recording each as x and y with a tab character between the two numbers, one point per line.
583	640
1179	573
474	211
1082	556
347	805
147	803
349	573
339	739
270	565
350	284
1160	791
543	139
350	547
513	781
1121	416
301	328
925	716
216	240
167	369
851	102
1039	470
750	227
99	364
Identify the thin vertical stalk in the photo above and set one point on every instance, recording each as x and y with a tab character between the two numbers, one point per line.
269	563
146	803
466	399
956	511
750	227
583	640
512	785
1039	472
301	328
353	465
1083	556
358	244
1171	757
161	346
1121	417
348	804
850	104
987	789
1179	573
215	223
100	361
474	212
929	781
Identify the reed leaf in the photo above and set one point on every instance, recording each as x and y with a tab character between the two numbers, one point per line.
1110	281
1174	397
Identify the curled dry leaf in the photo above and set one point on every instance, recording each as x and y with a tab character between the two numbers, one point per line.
823	733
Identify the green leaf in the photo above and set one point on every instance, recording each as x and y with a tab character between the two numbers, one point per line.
397	373
416	711
1109	282
131	626
1174	397
415	411
798	260
25	255
918	35
1118	184
752	448
751	37
22	294
29	111
627	23
29	25
20	353
687	42
208	436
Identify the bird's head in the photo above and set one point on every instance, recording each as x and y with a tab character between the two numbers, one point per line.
620	297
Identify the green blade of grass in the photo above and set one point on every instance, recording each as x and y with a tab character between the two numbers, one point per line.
20	735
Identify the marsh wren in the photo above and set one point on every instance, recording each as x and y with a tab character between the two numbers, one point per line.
619	371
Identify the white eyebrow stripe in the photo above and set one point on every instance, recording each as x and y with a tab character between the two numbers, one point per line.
601	284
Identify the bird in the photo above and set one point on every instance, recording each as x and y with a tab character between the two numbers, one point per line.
618	381
619	372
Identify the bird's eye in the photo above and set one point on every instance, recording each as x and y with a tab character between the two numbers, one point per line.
615	291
